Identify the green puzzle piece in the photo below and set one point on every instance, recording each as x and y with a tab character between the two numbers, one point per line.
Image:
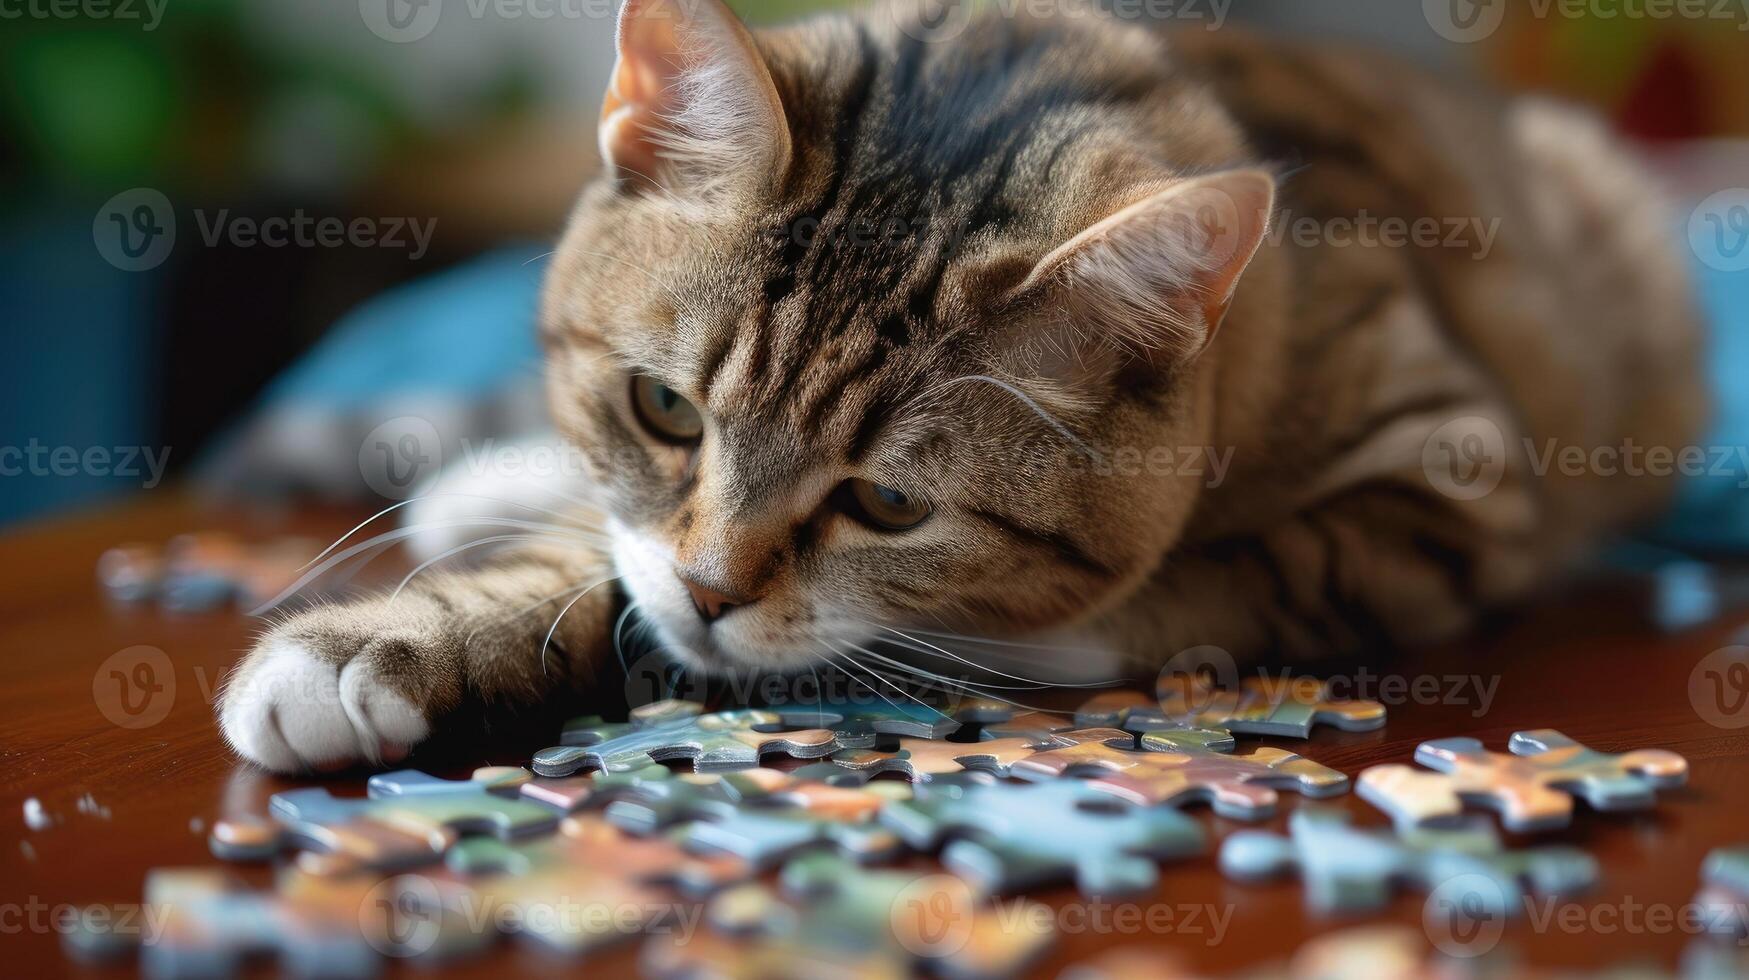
680	730
1009	835
836	919
1347	869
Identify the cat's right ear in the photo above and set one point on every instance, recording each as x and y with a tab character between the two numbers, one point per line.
691	108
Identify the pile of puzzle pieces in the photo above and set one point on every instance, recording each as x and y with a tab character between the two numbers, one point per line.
204	571
879	851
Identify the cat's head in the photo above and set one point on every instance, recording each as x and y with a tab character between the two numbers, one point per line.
867	325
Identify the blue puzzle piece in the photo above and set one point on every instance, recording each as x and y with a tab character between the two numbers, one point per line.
1007	835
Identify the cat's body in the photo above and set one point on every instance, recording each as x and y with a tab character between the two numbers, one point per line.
753	353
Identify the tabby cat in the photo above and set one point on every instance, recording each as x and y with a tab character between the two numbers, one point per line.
1013	328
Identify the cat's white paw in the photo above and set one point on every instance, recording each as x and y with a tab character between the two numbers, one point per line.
291	710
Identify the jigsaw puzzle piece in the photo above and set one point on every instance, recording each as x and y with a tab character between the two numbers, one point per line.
1532	788
210	926
837	919
488	803
860	725
1131	711
1178	767
1284	706
1724	895
328	848
717	741
921	760
798	815
1346	869
1004	836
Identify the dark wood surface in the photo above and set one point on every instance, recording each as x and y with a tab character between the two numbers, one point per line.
1587	664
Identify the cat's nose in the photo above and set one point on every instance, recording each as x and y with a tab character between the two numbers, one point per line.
710	603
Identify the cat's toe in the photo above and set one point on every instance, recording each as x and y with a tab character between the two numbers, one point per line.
290	709
387	724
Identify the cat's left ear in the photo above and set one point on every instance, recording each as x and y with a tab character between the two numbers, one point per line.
692	105
1159	275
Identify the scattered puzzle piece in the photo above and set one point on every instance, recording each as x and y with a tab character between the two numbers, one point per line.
1008	835
1724	895
1285	706
922	760
1530	787
677	730
409	819
841	920
209	925
859	725
1189	766
797	815
1346	869
1131	711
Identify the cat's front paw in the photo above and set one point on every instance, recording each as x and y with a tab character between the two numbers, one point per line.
338	686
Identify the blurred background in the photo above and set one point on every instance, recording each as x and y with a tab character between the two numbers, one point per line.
239	237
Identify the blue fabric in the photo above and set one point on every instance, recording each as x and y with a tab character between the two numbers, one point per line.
1712	511
467	334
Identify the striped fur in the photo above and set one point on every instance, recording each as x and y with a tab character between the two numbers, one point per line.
874	311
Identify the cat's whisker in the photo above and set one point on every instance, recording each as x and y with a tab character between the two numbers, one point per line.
852	676
680	302
1015	677
901	691
458	549
426	496
399	534
561	616
1030	403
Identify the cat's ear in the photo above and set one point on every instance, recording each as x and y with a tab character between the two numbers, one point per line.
1159	275
691	106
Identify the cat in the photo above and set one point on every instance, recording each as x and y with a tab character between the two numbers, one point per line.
1050	326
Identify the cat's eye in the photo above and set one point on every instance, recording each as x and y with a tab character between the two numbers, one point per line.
884	507
665	412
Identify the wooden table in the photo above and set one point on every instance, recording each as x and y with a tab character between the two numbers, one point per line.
1588	665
